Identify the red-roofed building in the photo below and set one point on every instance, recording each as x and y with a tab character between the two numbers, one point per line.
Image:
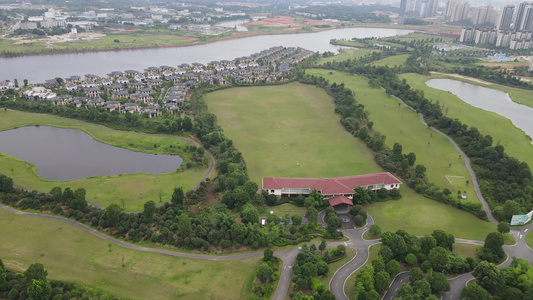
338	200
329	187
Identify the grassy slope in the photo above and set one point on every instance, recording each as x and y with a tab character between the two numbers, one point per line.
274	116
501	129
289	130
403	125
345	54
59	247
135	189
392	61
287	208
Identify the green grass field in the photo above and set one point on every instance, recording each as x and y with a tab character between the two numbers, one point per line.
287	208
333	267
466	250
421	216
391	61
59	247
501	129
345	54
134	189
402	125
289	130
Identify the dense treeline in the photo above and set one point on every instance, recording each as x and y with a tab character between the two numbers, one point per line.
33	284
496	76
355	120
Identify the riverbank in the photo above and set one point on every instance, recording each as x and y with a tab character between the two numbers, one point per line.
140	40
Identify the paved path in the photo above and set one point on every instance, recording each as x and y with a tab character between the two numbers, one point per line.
194	142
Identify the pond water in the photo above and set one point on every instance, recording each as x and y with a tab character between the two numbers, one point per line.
69	154
490	100
38	68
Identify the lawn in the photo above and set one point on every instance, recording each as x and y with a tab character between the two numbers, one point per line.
501	129
402	125
289	130
134	189
466	250
421	216
333	267
286	208
59	247
529	239
345	54
391	61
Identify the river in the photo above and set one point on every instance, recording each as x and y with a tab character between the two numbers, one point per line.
69	154
41	67
490	100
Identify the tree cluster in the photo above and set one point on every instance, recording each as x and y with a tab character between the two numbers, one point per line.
33	284
513	282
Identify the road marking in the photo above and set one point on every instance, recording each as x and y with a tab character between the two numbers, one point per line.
520	236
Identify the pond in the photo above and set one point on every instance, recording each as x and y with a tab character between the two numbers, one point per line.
490	100
69	154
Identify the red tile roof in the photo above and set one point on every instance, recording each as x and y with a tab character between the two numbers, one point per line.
334	201
330	186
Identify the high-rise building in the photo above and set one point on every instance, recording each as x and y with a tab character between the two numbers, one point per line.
428	8
524	17
506	17
450	6
403	6
483	15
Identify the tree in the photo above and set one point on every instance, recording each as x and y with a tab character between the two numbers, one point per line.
439	282
56	193
443	239
149	210
374	230
311	214
427	243
494	241
438	258
334	223
411	259
386	253
379	264
25	82
2	275
249	214
422	288
322	268
6	184
411	157
268	254
392	267
420	170
79	195
503	227
509	209
184	225
39	290
488	276
415	274
475	292
382	281
322	245
113	213
263	272
398	246
178	197
296	220
35	271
